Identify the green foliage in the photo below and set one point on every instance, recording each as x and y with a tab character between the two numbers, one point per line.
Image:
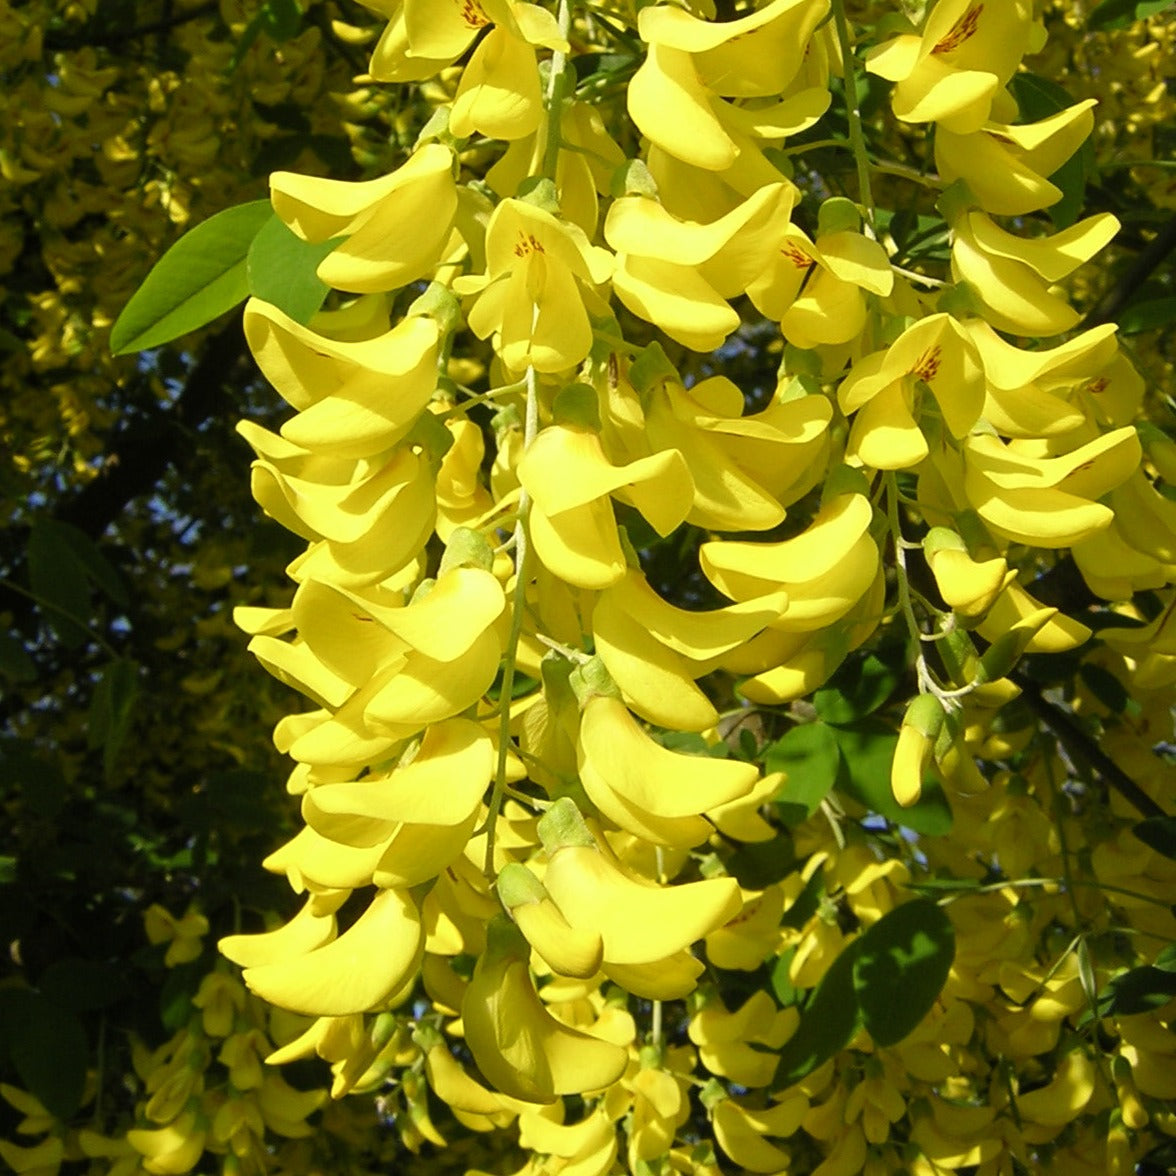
197	280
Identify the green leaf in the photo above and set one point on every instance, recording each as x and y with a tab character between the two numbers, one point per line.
15	663
786	992
81	985
48	1047
281	270
1159	833
868	749
901	964
760	864
110	710
200	277
40	781
1137	991
811	760
828	1021
59	581
282	19
1104	686
806	904
1151	315
860	687
1118	14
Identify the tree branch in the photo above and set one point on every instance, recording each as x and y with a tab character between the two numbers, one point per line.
1081	747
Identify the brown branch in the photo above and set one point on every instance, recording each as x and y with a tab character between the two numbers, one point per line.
1080	747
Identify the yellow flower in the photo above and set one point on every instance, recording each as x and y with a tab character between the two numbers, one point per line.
951	73
529	299
677	97
396	226
1006	166
885	391
1047	501
816	291
678	274
1011	276
182	936
569	478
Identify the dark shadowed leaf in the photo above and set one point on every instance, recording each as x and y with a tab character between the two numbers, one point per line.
1159	833
901	964
829	1020
48	1048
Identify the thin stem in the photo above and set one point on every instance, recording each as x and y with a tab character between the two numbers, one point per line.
921	279
853	111
555	95
518	609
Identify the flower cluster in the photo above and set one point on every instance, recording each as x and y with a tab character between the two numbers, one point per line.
522	810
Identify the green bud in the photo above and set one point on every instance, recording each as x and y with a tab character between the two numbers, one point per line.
517	886
577	406
633	178
563	825
467	549
838	215
592	678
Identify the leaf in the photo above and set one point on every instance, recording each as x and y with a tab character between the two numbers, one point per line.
110	710
40	781
48	1047
281	19
1159	833
1104	686
81	985
901	964
868	749
58	582
1137	991
811	760
760	864
786	992
1151	315
828	1021
15	663
281	270
806	904
1118	14
860	686
200	277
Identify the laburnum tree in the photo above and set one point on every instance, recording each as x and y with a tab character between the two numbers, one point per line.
730	459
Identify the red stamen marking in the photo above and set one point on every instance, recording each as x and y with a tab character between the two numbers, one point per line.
927	365
797	256
474	15
1094	387
528	243
963	29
